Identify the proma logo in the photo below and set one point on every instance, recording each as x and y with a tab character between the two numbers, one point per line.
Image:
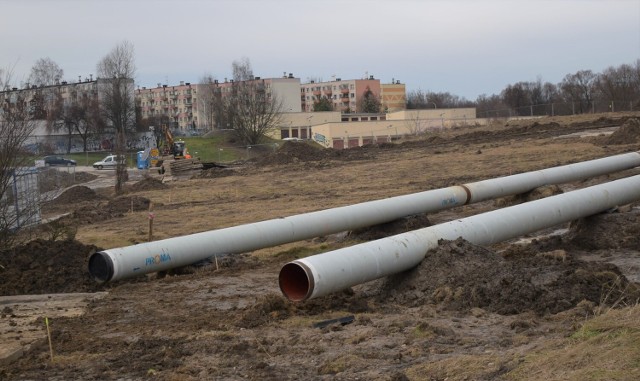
157	259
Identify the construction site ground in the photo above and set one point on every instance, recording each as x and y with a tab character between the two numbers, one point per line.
558	304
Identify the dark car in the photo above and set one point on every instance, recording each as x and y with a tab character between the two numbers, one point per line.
58	160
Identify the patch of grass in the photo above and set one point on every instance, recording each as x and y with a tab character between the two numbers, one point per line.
464	367
300	252
423	330
339	364
211	149
606	347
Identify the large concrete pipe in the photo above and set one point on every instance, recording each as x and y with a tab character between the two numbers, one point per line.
323	274
119	263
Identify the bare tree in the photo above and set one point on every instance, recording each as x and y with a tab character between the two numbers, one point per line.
578	89
210	103
415	124
252	110
242	70
16	126
78	114
247	106
618	84
418	99
45	72
116	95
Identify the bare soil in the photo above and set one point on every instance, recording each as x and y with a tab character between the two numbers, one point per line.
465	313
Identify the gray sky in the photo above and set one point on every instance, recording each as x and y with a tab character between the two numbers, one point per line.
464	47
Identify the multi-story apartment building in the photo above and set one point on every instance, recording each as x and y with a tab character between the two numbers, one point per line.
41	98
38	97
346	95
47	102
393	96
187	106
173	106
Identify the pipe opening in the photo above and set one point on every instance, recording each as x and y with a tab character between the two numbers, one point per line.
100	267
296	282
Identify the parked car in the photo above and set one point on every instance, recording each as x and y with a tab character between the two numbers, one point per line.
108	162
58	160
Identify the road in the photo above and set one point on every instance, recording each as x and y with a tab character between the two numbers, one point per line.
105	177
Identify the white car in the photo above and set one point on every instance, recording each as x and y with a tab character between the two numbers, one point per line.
108	162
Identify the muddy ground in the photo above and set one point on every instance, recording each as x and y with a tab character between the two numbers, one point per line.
465	313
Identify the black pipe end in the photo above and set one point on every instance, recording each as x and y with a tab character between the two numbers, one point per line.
296	281
100	267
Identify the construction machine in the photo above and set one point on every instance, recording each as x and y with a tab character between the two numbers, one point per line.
173	147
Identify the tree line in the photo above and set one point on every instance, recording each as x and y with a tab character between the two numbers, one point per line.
616	88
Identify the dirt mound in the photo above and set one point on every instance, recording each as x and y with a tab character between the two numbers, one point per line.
628	133
214	172
42	267
51	179
607	231
401	225
460	276
107	210
146	184
76	194
294	152
535	194
272	307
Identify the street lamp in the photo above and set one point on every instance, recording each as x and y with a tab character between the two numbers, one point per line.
396	127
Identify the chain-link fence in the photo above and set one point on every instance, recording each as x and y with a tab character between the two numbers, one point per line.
560	109
21	202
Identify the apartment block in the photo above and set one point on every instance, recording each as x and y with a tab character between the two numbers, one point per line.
174	106
346	95
393	96
41	98
187	106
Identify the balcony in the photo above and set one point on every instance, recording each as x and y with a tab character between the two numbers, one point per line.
344	90
316	92
344	99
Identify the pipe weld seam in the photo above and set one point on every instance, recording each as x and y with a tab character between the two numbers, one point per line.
468	192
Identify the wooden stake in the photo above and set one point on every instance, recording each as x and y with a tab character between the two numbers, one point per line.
151	216
46	322
216	257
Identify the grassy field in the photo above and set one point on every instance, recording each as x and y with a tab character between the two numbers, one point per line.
219	148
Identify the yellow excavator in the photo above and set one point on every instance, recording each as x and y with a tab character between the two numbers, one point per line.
172	147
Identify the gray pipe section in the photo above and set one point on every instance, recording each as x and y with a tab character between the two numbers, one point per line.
124	262
524	182
323	274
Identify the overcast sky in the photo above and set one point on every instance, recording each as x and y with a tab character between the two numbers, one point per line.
465	47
